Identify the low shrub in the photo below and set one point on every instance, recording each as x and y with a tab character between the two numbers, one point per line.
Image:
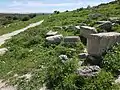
111	61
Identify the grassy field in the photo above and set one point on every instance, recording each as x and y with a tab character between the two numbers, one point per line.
29	53
16	25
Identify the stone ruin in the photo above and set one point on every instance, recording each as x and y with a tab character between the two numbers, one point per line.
98	43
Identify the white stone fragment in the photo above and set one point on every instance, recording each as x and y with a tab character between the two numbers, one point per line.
3	51
51	33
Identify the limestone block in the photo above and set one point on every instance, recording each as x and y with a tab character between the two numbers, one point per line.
71	39
85	31
99	43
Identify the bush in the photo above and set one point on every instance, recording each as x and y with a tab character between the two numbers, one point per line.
111	61
26	18
32	15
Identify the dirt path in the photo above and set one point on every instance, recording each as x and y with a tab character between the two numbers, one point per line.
2	41
9	35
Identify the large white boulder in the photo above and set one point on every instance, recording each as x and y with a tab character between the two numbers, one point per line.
54	39
85	31
97	44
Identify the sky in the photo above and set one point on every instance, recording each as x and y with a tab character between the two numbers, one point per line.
45	6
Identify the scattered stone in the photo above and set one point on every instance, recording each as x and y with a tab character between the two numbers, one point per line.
85	31
77	27
80	63
118	79
94	16
85	50
83	55
27	76
54	39
105	25
51	33
3	51
115	19
63	57
30	50
71	39
89	71
101	22
97	44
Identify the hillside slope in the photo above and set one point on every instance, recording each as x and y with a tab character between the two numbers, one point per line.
31	62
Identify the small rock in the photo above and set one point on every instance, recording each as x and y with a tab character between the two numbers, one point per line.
115	19
51	33
71	39
80	63
63	57
77	27
83	55
117	80
89	71
3	51
54	39
94	15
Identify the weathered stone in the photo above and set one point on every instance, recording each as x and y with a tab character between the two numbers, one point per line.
51	33
3	51
83	55
115	19
101	22
85	31
63	57
54	39
94	15
97	44
71	39
77	27
70	27
118	80
89	71
80	63
105	25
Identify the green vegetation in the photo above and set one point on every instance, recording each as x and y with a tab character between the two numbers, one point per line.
29	53
111	60
20	22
